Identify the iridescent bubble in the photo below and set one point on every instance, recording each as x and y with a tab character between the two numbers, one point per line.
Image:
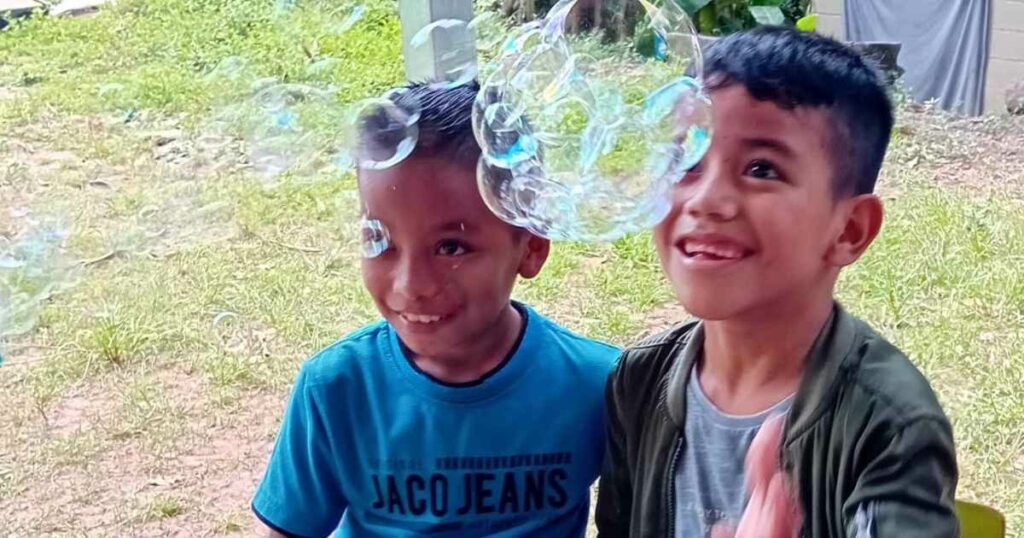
385	129
588	156
350	20
375	239
450	43
287	128
676	37
495	184
34	266
503	133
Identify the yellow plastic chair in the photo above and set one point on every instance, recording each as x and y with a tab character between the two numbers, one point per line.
980	521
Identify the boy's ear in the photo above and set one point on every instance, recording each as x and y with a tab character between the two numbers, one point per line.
863	222
534	256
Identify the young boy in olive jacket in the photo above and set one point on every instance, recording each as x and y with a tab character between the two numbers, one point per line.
756	239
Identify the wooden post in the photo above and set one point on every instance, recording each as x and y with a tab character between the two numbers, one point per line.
440	55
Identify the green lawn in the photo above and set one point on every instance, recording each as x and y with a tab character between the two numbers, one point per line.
145	402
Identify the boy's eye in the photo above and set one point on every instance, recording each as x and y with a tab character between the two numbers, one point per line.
451	247
762	170
694	171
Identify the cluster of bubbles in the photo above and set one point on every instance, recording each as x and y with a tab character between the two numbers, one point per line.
342	18
34	266
285	127
569	152
306	130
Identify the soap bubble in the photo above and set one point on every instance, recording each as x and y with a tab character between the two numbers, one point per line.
375	239
291	128
34	266
451	45
307	132
385	129
456	44
586	156
349	21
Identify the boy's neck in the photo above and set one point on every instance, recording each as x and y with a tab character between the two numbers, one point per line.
750	364
480	356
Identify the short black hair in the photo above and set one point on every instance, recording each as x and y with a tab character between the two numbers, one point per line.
799	69
445	124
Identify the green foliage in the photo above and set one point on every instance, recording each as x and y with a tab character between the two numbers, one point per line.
807	23
158	54
722	17
165	507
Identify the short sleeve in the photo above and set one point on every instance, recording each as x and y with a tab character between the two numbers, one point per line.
301	492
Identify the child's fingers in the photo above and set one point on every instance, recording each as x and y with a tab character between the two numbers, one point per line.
721	531
771	512
782	508
763	455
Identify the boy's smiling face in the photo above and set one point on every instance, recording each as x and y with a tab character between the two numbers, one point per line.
446	278
756	227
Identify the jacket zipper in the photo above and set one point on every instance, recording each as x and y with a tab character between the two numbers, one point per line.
671	511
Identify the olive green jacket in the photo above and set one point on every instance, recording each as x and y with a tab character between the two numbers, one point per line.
865	442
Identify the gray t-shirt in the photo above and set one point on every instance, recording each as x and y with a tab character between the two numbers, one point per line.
710	472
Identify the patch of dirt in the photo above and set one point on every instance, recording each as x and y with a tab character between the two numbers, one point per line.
8	93
662	318
210	469
84	408
983	153
161	209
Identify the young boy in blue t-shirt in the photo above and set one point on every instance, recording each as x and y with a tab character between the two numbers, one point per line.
463	413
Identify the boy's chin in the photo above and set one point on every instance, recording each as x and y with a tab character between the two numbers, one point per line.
710	306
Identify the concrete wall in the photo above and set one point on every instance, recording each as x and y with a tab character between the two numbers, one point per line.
830	17
1006	53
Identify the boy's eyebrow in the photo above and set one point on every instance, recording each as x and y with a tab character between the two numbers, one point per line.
771	144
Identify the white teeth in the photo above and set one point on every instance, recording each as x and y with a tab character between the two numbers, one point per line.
420	318
717	250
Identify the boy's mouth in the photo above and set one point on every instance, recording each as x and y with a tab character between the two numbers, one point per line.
711	249
422	319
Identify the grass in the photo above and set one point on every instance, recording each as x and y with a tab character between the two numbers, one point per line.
165	507
211	288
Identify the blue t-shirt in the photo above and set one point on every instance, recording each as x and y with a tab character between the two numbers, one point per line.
371	442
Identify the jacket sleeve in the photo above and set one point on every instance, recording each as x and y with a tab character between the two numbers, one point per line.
906	483
615	489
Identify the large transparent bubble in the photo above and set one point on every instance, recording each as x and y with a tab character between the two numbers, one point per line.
34	266
451	45
575	152
307	132
293	128
456	47
384	129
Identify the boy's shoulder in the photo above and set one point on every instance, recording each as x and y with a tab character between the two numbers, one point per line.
656	353
351	355
884	373
591	346
573	345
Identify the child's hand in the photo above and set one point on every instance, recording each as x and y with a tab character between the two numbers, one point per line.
772	512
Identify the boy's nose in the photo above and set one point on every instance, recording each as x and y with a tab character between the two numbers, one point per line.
416	279
710	194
